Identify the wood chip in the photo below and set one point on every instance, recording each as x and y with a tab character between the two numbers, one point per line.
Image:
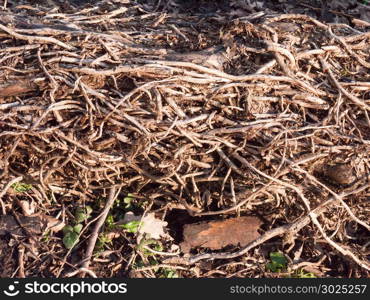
219	234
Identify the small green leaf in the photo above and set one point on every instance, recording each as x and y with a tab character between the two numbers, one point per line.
70	239
278	258
307	275
89	210
278	262
132	226
271	267
156	245
103	241
303	274
168	273
128	201
77	228
67	228
21	187
110	222
82	214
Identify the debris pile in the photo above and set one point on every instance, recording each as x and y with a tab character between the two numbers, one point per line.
215	114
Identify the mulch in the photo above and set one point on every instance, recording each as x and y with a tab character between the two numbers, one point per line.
200	110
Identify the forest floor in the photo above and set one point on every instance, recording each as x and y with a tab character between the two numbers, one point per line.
183	138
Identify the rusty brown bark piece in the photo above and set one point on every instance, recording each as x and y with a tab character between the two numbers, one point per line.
17	88
218	234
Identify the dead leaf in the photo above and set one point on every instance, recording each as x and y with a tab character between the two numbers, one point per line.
150	225
218	234
153	227
34	225
28	225
51	223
